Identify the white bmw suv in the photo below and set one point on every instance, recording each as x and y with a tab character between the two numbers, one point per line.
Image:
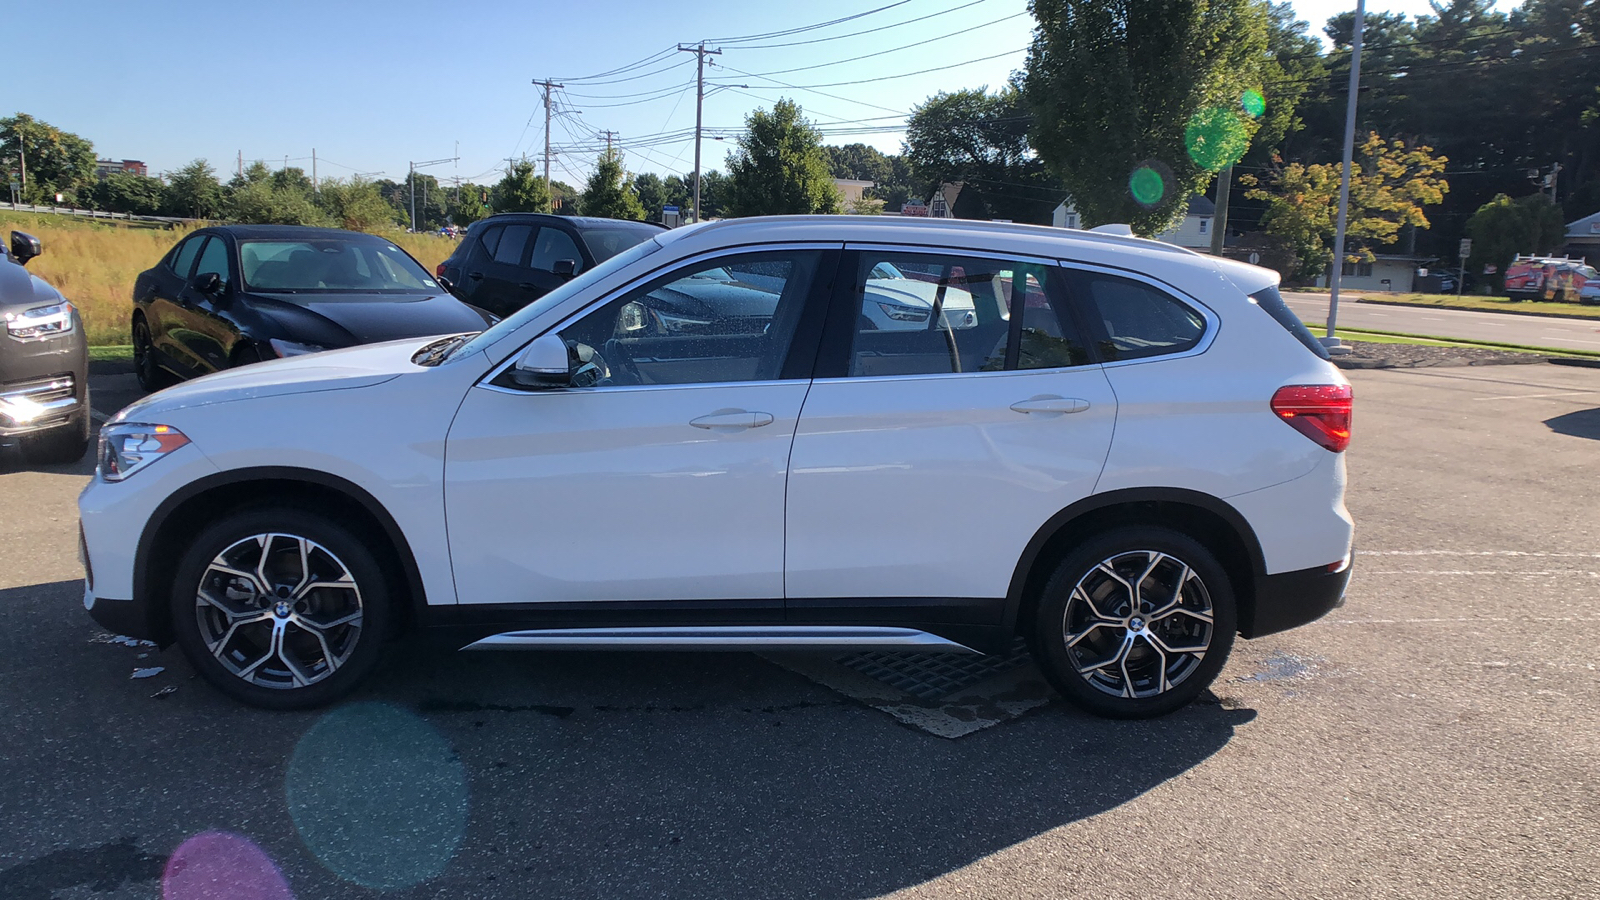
1130	454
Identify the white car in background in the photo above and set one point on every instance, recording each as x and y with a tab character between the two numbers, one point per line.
1129	455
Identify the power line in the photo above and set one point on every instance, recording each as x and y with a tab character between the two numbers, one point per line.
627	68
840	37
804	28
913	45
904	74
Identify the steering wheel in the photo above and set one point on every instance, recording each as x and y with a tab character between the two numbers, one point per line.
592	370
616	353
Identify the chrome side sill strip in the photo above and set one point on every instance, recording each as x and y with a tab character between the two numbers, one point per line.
723	637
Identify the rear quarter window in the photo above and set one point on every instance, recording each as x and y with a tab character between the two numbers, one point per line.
1270	300
1137	320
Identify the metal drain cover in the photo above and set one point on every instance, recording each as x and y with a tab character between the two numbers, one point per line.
945	694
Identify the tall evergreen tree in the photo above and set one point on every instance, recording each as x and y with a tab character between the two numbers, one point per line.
779	167
608	194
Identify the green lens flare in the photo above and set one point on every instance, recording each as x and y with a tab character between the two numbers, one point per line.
1147	186
1253	103
1216	138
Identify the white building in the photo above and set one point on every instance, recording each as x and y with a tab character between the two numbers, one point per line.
850	192
1193	231
1583	237
1395	273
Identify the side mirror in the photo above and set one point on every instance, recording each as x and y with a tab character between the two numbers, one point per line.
25	247
565	268
207	283
544	365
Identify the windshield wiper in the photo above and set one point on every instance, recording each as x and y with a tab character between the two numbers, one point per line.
440	350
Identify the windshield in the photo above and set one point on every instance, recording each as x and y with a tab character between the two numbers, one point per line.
607	242
331	265
559	295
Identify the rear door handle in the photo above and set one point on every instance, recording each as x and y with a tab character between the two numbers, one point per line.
528	286
730	420
475	276
1056	405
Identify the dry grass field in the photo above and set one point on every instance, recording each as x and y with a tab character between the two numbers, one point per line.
95	263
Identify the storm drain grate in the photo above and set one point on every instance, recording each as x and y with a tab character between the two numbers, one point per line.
930	676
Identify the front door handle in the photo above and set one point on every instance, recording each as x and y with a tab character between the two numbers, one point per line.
528	286
1056	405
475	276
731	420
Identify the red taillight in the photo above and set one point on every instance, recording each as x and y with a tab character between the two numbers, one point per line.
1319	411
438	271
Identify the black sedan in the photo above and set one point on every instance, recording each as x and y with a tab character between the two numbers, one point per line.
238	294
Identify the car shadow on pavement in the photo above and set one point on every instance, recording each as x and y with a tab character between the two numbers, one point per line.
1584	423
585	774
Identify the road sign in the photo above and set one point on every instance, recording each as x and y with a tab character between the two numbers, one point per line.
1466	248
1255	258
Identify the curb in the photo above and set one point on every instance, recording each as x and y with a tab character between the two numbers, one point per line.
1384	362
1503	312
1574	361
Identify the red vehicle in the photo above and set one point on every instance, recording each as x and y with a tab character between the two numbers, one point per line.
1546	278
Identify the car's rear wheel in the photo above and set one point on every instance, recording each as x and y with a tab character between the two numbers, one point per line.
280	608
1135	623
152	377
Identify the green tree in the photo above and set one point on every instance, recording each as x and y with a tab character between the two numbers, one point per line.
713	194
608	193
779	167
981	139
1390	183
126	192
263	196
1503	228
56	161
356	205
193	191
1138	102
520	190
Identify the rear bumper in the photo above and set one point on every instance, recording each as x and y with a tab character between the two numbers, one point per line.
1291	599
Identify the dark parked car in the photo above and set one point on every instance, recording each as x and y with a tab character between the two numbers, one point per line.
44	363
239	294
507	261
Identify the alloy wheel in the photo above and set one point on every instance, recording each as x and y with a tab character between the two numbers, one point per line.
279	611
1138	624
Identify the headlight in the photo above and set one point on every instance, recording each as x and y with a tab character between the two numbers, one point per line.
40	322
670	323
291	348
127	447
903	313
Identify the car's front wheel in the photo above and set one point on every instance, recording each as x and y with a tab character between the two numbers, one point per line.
280	608
1135	622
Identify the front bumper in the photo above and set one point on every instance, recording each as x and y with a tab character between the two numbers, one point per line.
126	617
1291	599
44	383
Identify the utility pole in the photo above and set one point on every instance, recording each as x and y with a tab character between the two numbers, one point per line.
1344	177
700	52
22	161
549	195
609	135
314	188
1219	222
241	163
411	179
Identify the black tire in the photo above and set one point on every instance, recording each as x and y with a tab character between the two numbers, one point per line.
152	377
1161	680
61	445
355	646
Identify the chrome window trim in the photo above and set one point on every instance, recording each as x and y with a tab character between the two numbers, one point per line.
616	293
1213	322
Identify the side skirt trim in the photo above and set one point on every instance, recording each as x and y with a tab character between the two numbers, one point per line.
722	637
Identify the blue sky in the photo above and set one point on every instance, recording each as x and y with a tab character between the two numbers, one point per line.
372	85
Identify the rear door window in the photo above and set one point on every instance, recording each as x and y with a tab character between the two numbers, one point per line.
1136	320
513	243
183	260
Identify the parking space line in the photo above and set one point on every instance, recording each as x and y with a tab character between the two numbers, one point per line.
1475	553
1536	396
1460	620
1550	573
99	416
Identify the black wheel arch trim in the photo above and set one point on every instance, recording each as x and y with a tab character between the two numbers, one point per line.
1015	595
158	519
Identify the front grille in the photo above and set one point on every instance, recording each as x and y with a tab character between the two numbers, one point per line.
40	390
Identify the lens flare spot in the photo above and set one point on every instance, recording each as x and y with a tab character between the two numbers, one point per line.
217	864
1253	103
1147	185
378	796
1215	138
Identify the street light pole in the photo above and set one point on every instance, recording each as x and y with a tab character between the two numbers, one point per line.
1337	272
411	179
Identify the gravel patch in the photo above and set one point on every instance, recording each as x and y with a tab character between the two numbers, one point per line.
1366	355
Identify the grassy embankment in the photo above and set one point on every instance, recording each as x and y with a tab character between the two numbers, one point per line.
94	264
1476	302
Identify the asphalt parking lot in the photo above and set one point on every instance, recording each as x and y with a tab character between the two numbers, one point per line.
1437	736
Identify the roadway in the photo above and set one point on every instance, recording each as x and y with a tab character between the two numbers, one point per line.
1531	331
